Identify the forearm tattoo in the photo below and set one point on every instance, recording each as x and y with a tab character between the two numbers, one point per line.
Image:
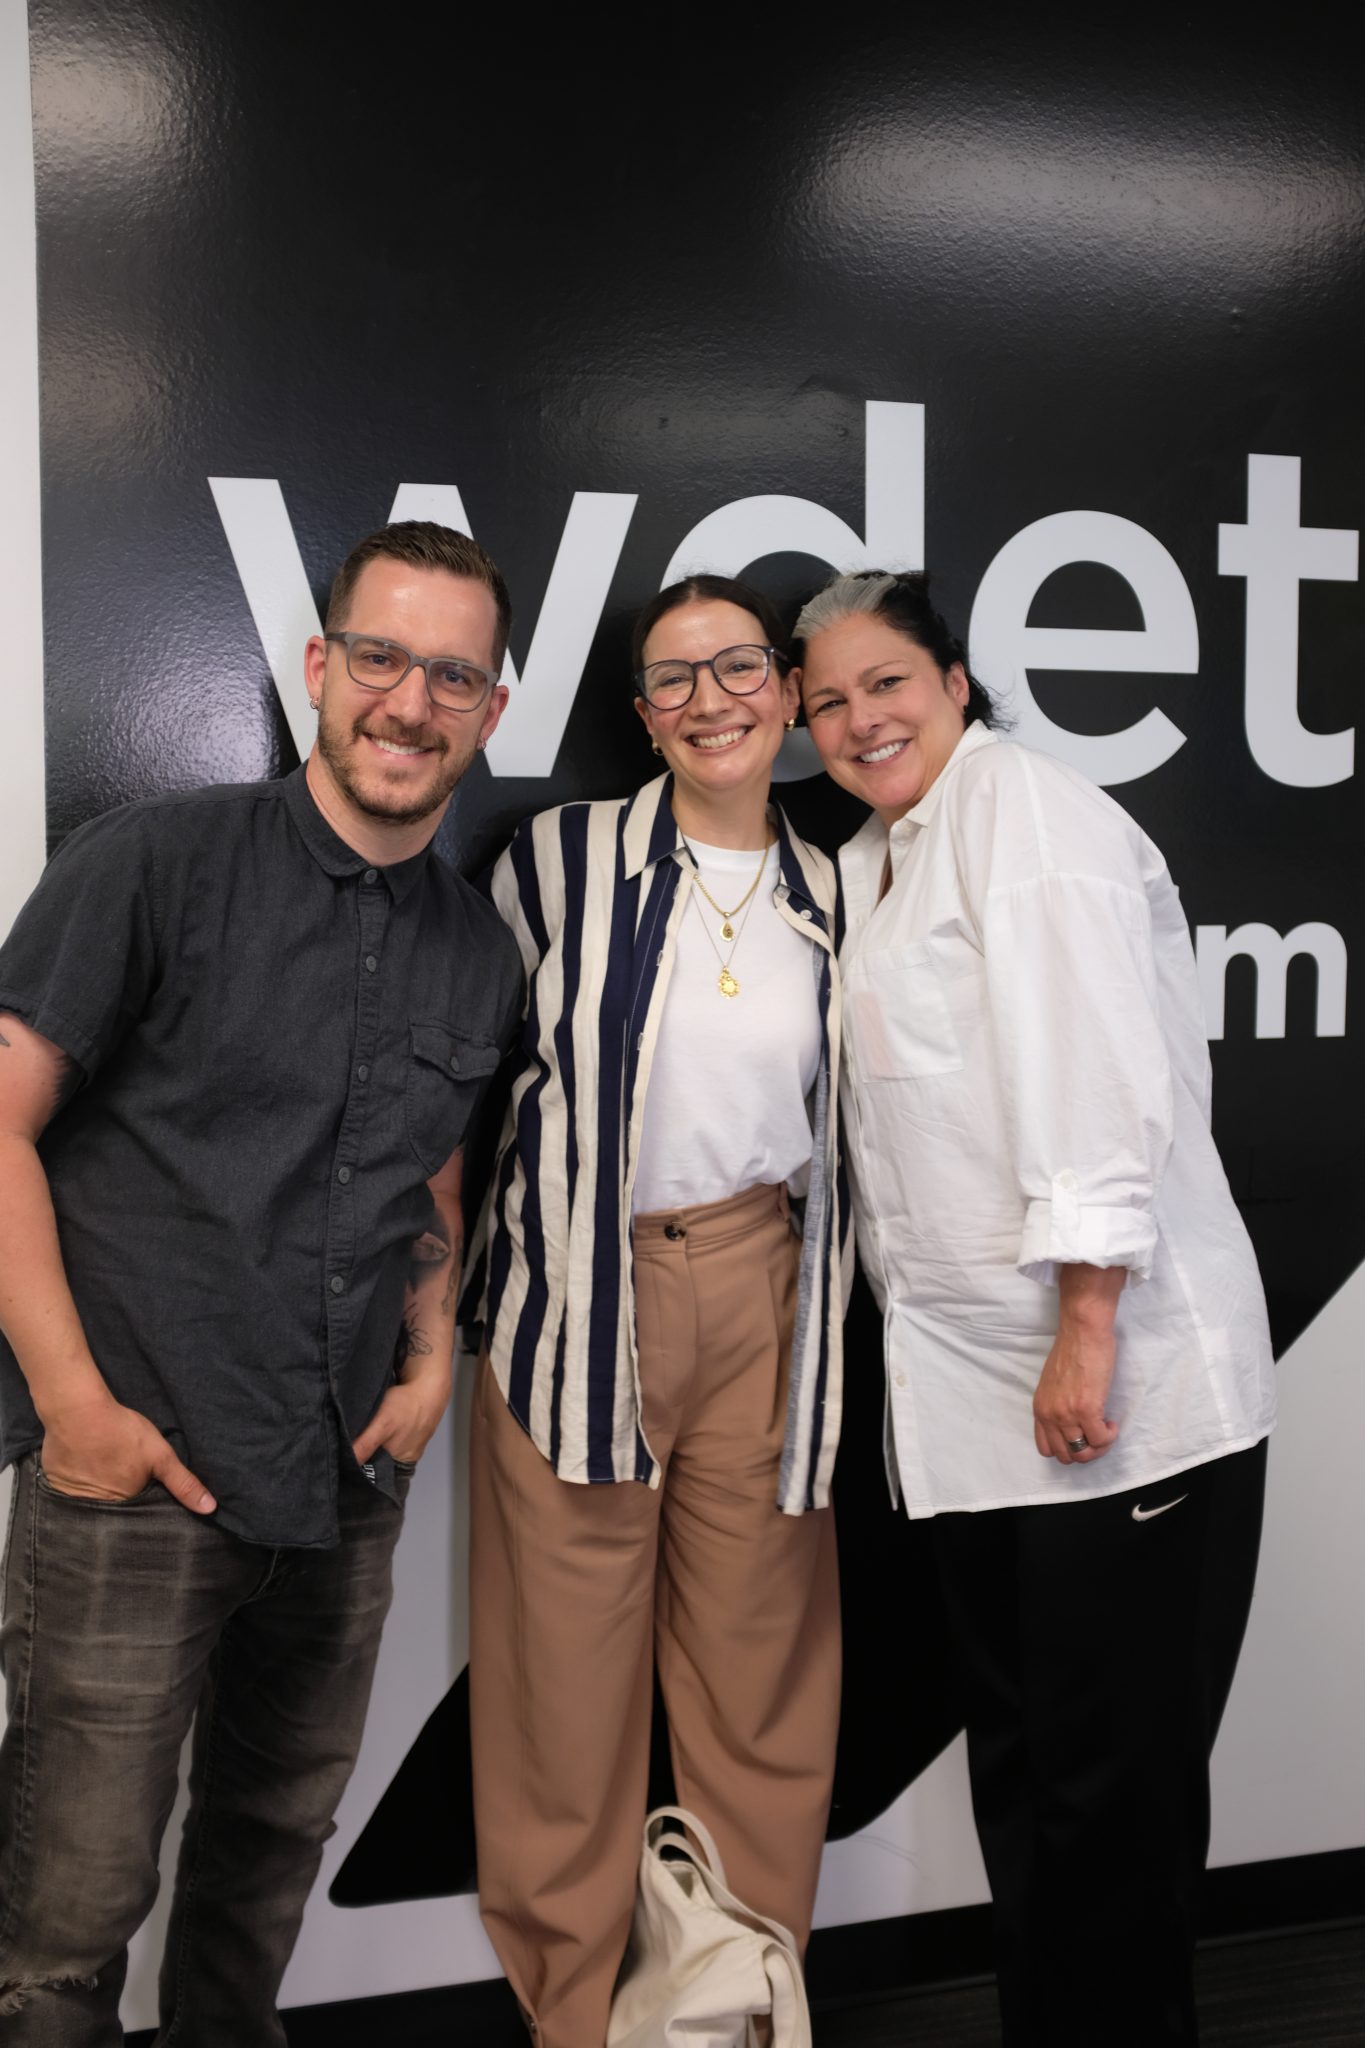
412	1340
430	1249
452	1280
435	1261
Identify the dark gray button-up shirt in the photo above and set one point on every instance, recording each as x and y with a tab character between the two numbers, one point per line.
279	1045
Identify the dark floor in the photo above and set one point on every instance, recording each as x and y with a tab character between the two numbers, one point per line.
1276	1991
1290	1989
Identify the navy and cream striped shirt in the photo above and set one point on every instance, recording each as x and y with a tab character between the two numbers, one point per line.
594	894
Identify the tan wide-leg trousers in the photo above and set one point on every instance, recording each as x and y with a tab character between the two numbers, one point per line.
576	1590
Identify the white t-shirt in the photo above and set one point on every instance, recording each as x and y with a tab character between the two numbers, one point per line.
1026	1085
726	1107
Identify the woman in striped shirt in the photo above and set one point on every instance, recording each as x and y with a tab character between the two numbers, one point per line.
658	1407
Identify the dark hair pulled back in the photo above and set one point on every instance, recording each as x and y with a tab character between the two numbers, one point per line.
706	589
902	600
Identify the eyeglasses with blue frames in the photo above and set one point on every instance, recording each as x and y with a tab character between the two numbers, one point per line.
740	671
454	684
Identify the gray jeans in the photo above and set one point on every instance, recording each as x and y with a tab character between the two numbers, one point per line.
123	1624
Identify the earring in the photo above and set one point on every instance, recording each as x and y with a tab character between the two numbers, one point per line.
655	747
314	702
791	725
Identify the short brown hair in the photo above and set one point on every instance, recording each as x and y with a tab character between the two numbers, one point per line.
423	545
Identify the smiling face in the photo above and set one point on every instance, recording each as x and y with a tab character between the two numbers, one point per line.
720	748
393	758
882	713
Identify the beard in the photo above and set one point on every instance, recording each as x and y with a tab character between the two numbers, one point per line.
338	743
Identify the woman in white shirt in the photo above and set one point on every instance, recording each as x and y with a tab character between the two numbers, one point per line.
1079	1374
663	1362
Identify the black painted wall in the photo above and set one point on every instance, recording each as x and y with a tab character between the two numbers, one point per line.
1113	256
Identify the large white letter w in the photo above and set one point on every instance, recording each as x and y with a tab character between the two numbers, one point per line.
266	553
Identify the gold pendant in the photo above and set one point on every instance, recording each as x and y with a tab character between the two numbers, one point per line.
727	984
727	930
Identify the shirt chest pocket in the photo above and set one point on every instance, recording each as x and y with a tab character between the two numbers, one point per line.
899	1017
446	1070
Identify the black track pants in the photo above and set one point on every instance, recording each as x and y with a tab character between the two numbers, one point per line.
1096	1651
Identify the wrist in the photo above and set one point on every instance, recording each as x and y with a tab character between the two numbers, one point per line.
73	1397
1088	1323
1089	1298
431	1371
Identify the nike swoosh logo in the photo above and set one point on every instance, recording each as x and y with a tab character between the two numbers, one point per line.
1141	1514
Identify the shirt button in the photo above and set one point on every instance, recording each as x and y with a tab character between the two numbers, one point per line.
337	1284
454	1063
370	963
900	1379
806	915
344	1175
362	1073
371	874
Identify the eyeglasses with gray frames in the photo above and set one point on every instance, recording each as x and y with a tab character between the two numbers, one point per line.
452	682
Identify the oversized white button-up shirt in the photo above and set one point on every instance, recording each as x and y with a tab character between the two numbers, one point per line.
1026	1084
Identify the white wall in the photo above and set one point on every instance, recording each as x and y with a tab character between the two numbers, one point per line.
21	592
22	805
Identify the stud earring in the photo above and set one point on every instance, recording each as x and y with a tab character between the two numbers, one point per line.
791	725
314	702
655	747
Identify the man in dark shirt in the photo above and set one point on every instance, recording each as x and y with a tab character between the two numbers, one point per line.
241	1035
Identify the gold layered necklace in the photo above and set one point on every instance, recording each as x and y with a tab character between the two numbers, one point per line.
727	917
726	982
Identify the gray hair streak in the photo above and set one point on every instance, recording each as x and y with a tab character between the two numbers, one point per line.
842	599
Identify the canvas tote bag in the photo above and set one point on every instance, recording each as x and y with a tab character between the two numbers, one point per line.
701	1967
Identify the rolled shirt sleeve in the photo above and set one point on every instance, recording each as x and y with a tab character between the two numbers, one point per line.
1027	1089
80	959
1084	1072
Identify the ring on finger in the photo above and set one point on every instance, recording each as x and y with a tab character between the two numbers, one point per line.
1077	1443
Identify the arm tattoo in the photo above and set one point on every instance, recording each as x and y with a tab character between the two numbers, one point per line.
67	1076
430	1250
412	1341
452	1282
416	1344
